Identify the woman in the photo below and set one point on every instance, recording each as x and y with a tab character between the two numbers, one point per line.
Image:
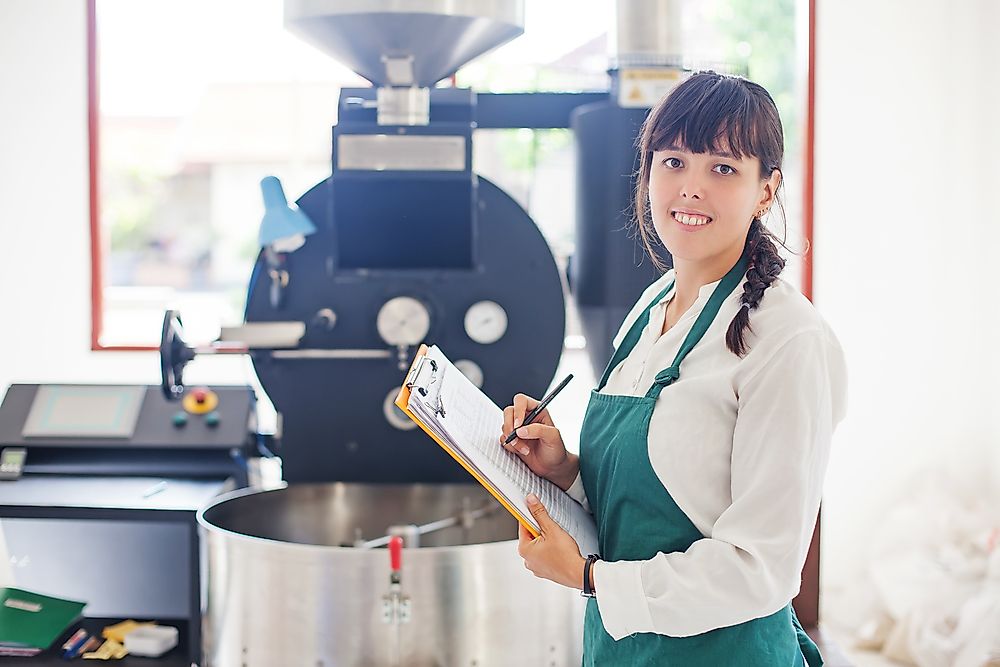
704	447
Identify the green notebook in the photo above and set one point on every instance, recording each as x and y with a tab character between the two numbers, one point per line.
31	620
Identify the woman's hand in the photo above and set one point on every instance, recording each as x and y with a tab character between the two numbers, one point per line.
553	555
539	444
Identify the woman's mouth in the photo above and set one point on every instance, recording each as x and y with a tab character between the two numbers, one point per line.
691	220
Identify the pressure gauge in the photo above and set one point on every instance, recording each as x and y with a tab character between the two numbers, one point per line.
471	370
403	321
486	322
396	417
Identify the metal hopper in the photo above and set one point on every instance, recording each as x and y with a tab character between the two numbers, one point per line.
405	42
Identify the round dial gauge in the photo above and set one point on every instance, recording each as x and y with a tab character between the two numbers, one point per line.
486	322
403	321
471	370
396	417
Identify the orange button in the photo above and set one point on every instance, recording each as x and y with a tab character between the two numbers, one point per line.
200	400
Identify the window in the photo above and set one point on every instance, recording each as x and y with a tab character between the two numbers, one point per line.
197	101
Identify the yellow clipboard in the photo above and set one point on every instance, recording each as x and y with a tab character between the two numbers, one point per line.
402	400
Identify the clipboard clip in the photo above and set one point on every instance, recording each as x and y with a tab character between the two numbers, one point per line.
434	375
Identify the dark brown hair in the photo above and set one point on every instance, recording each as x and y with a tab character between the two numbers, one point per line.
711	112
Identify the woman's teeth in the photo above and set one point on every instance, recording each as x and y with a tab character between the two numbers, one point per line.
693	220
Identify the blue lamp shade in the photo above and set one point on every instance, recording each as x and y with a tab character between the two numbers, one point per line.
283	227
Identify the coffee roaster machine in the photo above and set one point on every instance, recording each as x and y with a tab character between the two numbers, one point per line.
403	244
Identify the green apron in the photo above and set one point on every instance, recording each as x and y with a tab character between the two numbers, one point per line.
637	518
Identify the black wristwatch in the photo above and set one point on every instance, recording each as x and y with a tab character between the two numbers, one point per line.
588	581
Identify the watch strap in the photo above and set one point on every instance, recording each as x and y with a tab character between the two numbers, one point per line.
588	569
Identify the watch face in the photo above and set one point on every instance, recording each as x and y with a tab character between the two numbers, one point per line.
403	321
486	322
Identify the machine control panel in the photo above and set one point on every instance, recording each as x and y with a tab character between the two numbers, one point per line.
124	416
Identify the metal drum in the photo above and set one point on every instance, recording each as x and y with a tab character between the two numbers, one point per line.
296	576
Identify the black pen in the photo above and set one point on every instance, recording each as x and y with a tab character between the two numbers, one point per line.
538	408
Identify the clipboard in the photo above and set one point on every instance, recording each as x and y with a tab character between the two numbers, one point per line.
421	368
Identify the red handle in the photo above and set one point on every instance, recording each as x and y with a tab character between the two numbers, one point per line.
396	553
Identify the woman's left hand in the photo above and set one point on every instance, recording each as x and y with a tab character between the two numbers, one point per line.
553	555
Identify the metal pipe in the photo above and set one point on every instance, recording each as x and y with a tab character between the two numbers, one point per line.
465	519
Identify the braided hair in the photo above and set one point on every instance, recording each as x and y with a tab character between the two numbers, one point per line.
765	265
705	111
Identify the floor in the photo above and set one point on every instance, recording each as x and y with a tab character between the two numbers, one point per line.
856	657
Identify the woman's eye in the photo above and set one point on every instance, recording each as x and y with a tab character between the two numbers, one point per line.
672	162
724	169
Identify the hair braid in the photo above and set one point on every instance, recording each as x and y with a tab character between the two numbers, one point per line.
765	265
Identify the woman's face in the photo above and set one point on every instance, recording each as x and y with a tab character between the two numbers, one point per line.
702	203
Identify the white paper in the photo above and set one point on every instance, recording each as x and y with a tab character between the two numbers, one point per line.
471	425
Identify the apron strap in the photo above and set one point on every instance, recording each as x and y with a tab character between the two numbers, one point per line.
669	375
632	337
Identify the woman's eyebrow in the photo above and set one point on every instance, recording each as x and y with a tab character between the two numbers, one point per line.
722	154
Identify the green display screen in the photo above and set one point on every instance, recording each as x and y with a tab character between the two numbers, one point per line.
72	411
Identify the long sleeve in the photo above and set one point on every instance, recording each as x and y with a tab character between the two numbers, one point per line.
750	564
578	493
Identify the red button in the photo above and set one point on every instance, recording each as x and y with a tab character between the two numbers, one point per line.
199	395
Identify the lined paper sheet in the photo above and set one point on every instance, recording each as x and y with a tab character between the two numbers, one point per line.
471	424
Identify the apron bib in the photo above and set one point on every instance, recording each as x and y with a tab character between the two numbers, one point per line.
637	518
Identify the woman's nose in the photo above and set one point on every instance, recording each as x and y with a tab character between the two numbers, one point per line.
691	189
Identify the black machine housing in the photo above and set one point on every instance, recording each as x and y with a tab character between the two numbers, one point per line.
449	239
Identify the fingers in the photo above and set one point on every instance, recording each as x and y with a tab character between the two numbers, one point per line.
538	511
538	431
509	415
529	437
524	538
517	446
523	404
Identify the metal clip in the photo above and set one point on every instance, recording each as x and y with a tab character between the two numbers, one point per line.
436	376
411	379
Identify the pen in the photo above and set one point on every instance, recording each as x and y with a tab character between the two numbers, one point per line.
78	639
538	409
80	634
153	490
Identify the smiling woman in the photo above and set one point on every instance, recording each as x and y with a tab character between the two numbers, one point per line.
704	446
710	170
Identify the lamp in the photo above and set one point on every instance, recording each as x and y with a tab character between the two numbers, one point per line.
283	228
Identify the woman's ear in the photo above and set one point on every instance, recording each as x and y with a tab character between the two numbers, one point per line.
770	190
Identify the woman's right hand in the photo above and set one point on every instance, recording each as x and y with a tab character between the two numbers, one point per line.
539	444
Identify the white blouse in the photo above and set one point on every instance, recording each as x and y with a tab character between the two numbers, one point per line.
742	447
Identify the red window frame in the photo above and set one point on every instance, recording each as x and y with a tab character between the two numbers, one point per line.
96	247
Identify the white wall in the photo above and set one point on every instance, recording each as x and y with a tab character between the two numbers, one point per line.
907	241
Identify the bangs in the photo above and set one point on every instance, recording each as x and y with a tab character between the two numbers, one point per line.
710	113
